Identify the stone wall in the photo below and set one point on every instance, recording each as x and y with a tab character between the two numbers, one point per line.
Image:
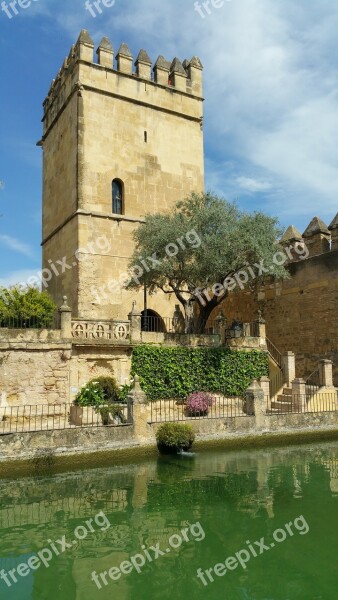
234	432
34	370
180	339
300	313
102	124
90	361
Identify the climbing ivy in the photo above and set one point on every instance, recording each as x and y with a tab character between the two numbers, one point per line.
176	372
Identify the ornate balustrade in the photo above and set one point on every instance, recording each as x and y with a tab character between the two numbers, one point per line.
115	331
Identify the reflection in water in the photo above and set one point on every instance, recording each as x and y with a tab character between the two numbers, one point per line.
237	496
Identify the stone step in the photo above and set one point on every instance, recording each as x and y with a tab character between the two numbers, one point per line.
287	391
284	398
280	406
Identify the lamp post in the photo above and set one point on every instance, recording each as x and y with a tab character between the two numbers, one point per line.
145	308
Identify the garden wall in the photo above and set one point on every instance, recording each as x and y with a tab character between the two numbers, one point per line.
37	367
126	442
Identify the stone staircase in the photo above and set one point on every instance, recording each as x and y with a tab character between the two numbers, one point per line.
283	403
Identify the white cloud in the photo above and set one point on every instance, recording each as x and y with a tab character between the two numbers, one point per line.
270	83
253	185
16	245
20	276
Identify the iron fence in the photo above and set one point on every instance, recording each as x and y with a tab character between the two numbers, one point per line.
238	329
319	402
277	383
24	419
172	410
312	383
274	353
153	324
53	322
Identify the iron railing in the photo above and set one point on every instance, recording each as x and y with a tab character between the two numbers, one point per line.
238	329
43	417
52	322
312	383
175	410
177	325
274	353
320	402
277	382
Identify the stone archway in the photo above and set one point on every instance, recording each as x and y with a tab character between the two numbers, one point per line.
152	322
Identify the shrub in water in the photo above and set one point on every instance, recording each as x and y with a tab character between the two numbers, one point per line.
172	437
198	403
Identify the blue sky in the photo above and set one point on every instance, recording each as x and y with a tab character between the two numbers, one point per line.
271	109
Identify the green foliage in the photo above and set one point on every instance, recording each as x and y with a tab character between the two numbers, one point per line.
110	412
108	386
175	436
223	240
102	390
176	372
124	391
90	395
28	304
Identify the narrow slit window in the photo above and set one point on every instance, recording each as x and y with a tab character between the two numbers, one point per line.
117	192
146	136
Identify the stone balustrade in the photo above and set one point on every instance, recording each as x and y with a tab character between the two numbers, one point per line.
115	331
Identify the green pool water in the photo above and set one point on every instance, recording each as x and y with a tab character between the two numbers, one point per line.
169	517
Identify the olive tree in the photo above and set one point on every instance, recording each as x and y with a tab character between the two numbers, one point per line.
203	250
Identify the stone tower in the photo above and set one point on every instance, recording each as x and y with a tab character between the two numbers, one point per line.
117	145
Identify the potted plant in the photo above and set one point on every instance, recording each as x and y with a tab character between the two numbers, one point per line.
111	414
104	413
76	415
174	437
198	404
109	387
91	395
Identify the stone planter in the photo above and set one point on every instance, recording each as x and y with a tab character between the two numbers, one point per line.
76	415
199	413
90	416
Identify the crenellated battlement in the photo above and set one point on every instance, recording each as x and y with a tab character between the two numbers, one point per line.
318	237
175	76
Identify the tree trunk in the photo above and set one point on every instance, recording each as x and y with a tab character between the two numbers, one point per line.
197	323
189	316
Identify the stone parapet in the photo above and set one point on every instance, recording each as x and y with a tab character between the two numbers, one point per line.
181	79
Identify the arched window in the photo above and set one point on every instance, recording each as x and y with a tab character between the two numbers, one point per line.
117	192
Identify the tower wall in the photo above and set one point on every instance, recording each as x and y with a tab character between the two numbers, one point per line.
102	124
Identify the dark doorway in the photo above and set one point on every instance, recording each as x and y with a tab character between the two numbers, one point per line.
151	321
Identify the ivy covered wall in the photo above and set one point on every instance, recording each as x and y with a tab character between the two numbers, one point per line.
175	372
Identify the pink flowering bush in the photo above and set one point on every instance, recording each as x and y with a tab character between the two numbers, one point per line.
199	403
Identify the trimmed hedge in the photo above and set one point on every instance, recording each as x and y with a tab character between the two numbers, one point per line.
175	436
176	372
